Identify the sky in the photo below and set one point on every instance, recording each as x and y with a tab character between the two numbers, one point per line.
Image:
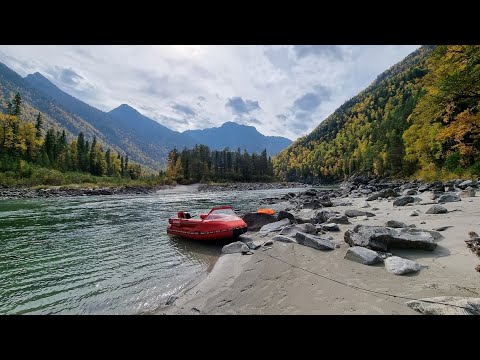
282	90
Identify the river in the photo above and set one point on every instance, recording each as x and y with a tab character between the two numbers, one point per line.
105	254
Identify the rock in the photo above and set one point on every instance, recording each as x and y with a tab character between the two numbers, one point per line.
171	300
313	241
400	266
442	228
255	220
385	238
477	268
283	238
448	198
355	213
375	209
468	192
383	255
339	219
410	192
329	227
424	187
275	226
364	205
404	201
267	243
286	215
293	229
414	213
436	209
467	183
310	192
312	204
395	224
324	215
383	194
341	203
362	255
446	305
235	247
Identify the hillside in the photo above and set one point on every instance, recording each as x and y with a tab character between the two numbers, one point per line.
145	140
232	135
419	117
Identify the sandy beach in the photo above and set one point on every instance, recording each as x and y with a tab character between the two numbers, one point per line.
289	278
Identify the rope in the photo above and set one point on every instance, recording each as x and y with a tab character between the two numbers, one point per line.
364	289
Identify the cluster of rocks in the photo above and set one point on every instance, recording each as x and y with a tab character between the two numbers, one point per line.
10	193
250	186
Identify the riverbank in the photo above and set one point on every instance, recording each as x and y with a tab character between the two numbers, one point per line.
289	278
94	190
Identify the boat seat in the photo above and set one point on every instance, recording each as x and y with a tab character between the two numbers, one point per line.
203	216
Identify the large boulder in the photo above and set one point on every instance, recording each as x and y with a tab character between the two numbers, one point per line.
383	194
312	204
362	255
436	209
324	215
448	198
313	241
283	238
292	230
446	305
355	213
255	220
275	226
468	192
286	215
463	185
385	238
338	219
395	224
400	266
404	201
235	247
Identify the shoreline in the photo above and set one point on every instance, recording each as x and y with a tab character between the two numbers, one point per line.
76	190
289	278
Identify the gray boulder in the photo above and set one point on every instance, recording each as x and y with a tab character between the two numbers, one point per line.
255	220
384	238
395	224
313	241
283	238
446	305
448	198
324	215
292	230
400	266
463	185
275	226
436	209
329	227
355	213
285	215
404	201
362	255
235	247
312	204
339	219
468	192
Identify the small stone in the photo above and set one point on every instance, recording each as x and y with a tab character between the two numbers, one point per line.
400	266
395	224
436	209
414	213
442	228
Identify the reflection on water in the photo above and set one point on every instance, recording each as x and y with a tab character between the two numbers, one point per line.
104	255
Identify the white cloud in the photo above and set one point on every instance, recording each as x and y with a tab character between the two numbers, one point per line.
187	87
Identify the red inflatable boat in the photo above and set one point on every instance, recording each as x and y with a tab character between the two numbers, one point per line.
220	223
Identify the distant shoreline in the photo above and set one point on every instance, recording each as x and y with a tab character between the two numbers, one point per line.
77	190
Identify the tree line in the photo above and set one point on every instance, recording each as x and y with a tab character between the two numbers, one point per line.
202	164
23	142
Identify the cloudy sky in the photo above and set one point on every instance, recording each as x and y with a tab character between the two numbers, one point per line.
281	90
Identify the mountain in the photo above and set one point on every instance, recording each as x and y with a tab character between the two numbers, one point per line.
233	136
364	135
420	117
145	140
